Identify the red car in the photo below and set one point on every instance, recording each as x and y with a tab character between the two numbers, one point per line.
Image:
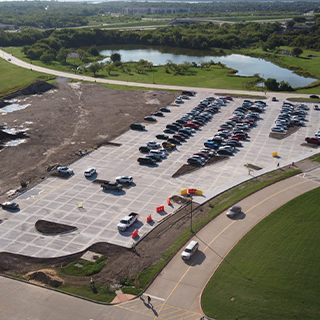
229	98
313	140
234	138
191	125
201	154
179	137
240	136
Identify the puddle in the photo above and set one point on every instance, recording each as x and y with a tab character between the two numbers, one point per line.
13	107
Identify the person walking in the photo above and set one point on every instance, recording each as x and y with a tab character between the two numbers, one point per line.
149	300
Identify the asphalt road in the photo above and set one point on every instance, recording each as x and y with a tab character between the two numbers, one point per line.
175	294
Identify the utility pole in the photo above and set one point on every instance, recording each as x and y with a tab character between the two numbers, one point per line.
190	199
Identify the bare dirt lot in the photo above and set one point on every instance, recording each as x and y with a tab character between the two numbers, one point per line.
60	122
80	116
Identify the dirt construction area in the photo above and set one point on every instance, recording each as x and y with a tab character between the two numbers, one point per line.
61	121
57	124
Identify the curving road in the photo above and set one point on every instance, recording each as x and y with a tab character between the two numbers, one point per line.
6	56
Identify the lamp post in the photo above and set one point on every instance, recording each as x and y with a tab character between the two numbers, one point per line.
190	199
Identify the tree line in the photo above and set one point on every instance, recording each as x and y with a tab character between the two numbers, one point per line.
54	14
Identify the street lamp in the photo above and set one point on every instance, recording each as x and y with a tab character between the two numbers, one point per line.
190	199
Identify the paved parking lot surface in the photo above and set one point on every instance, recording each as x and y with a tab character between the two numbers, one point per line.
58	200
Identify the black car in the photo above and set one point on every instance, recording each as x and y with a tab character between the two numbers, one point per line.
169	131
181	121
185	132
149	118
158	114
146	161
186	136
10	205
144	149
194	162
224	152
177	124
174	141
172	127
137	126
164	109
314	96
217	139
162	136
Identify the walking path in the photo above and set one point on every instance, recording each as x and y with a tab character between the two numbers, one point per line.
175	294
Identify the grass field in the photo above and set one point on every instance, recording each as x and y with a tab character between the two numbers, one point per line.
272	273
14	78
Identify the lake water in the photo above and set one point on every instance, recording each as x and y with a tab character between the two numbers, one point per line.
245	65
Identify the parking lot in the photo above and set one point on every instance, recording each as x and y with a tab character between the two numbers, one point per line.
79	202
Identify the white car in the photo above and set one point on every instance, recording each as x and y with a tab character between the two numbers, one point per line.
157	153
191	248
278	130
90	172
64	170
124	179
164	151
153	144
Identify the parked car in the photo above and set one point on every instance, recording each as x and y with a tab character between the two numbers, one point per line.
178	100
174	141
64	170
158	114
191	125
185	132
144	149
202	154
168	145
234	211
146	161
211	144
189	93
190	250
173	127
137	126
179	137
164	109
234	142
226	126
162	136
153	145
10	205
124	179
157	154
278	130
313	140
150	118
90	172
195	161
240	136
224	152
274	99
169	131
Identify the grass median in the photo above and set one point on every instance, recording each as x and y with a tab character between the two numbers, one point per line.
272	272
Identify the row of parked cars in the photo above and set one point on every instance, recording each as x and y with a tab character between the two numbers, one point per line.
290	115
231	132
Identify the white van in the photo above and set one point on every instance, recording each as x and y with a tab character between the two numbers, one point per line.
157	153
191	248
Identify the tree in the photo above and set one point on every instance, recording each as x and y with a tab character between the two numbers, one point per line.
62	55
46	58
296	51
285	86
82	54
94	67
93	51
115	57
272	84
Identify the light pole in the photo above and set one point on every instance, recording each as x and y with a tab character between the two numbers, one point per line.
190	199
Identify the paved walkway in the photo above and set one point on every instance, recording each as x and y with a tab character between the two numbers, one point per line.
176	292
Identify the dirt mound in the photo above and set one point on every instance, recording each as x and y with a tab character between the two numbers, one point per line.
45	276
53	228
35	88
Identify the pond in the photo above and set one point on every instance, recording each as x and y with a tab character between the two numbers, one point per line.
246	66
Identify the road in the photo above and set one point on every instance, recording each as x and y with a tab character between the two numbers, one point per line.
29	66
175	294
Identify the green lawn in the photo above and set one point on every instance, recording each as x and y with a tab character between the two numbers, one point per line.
14	78
272	273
